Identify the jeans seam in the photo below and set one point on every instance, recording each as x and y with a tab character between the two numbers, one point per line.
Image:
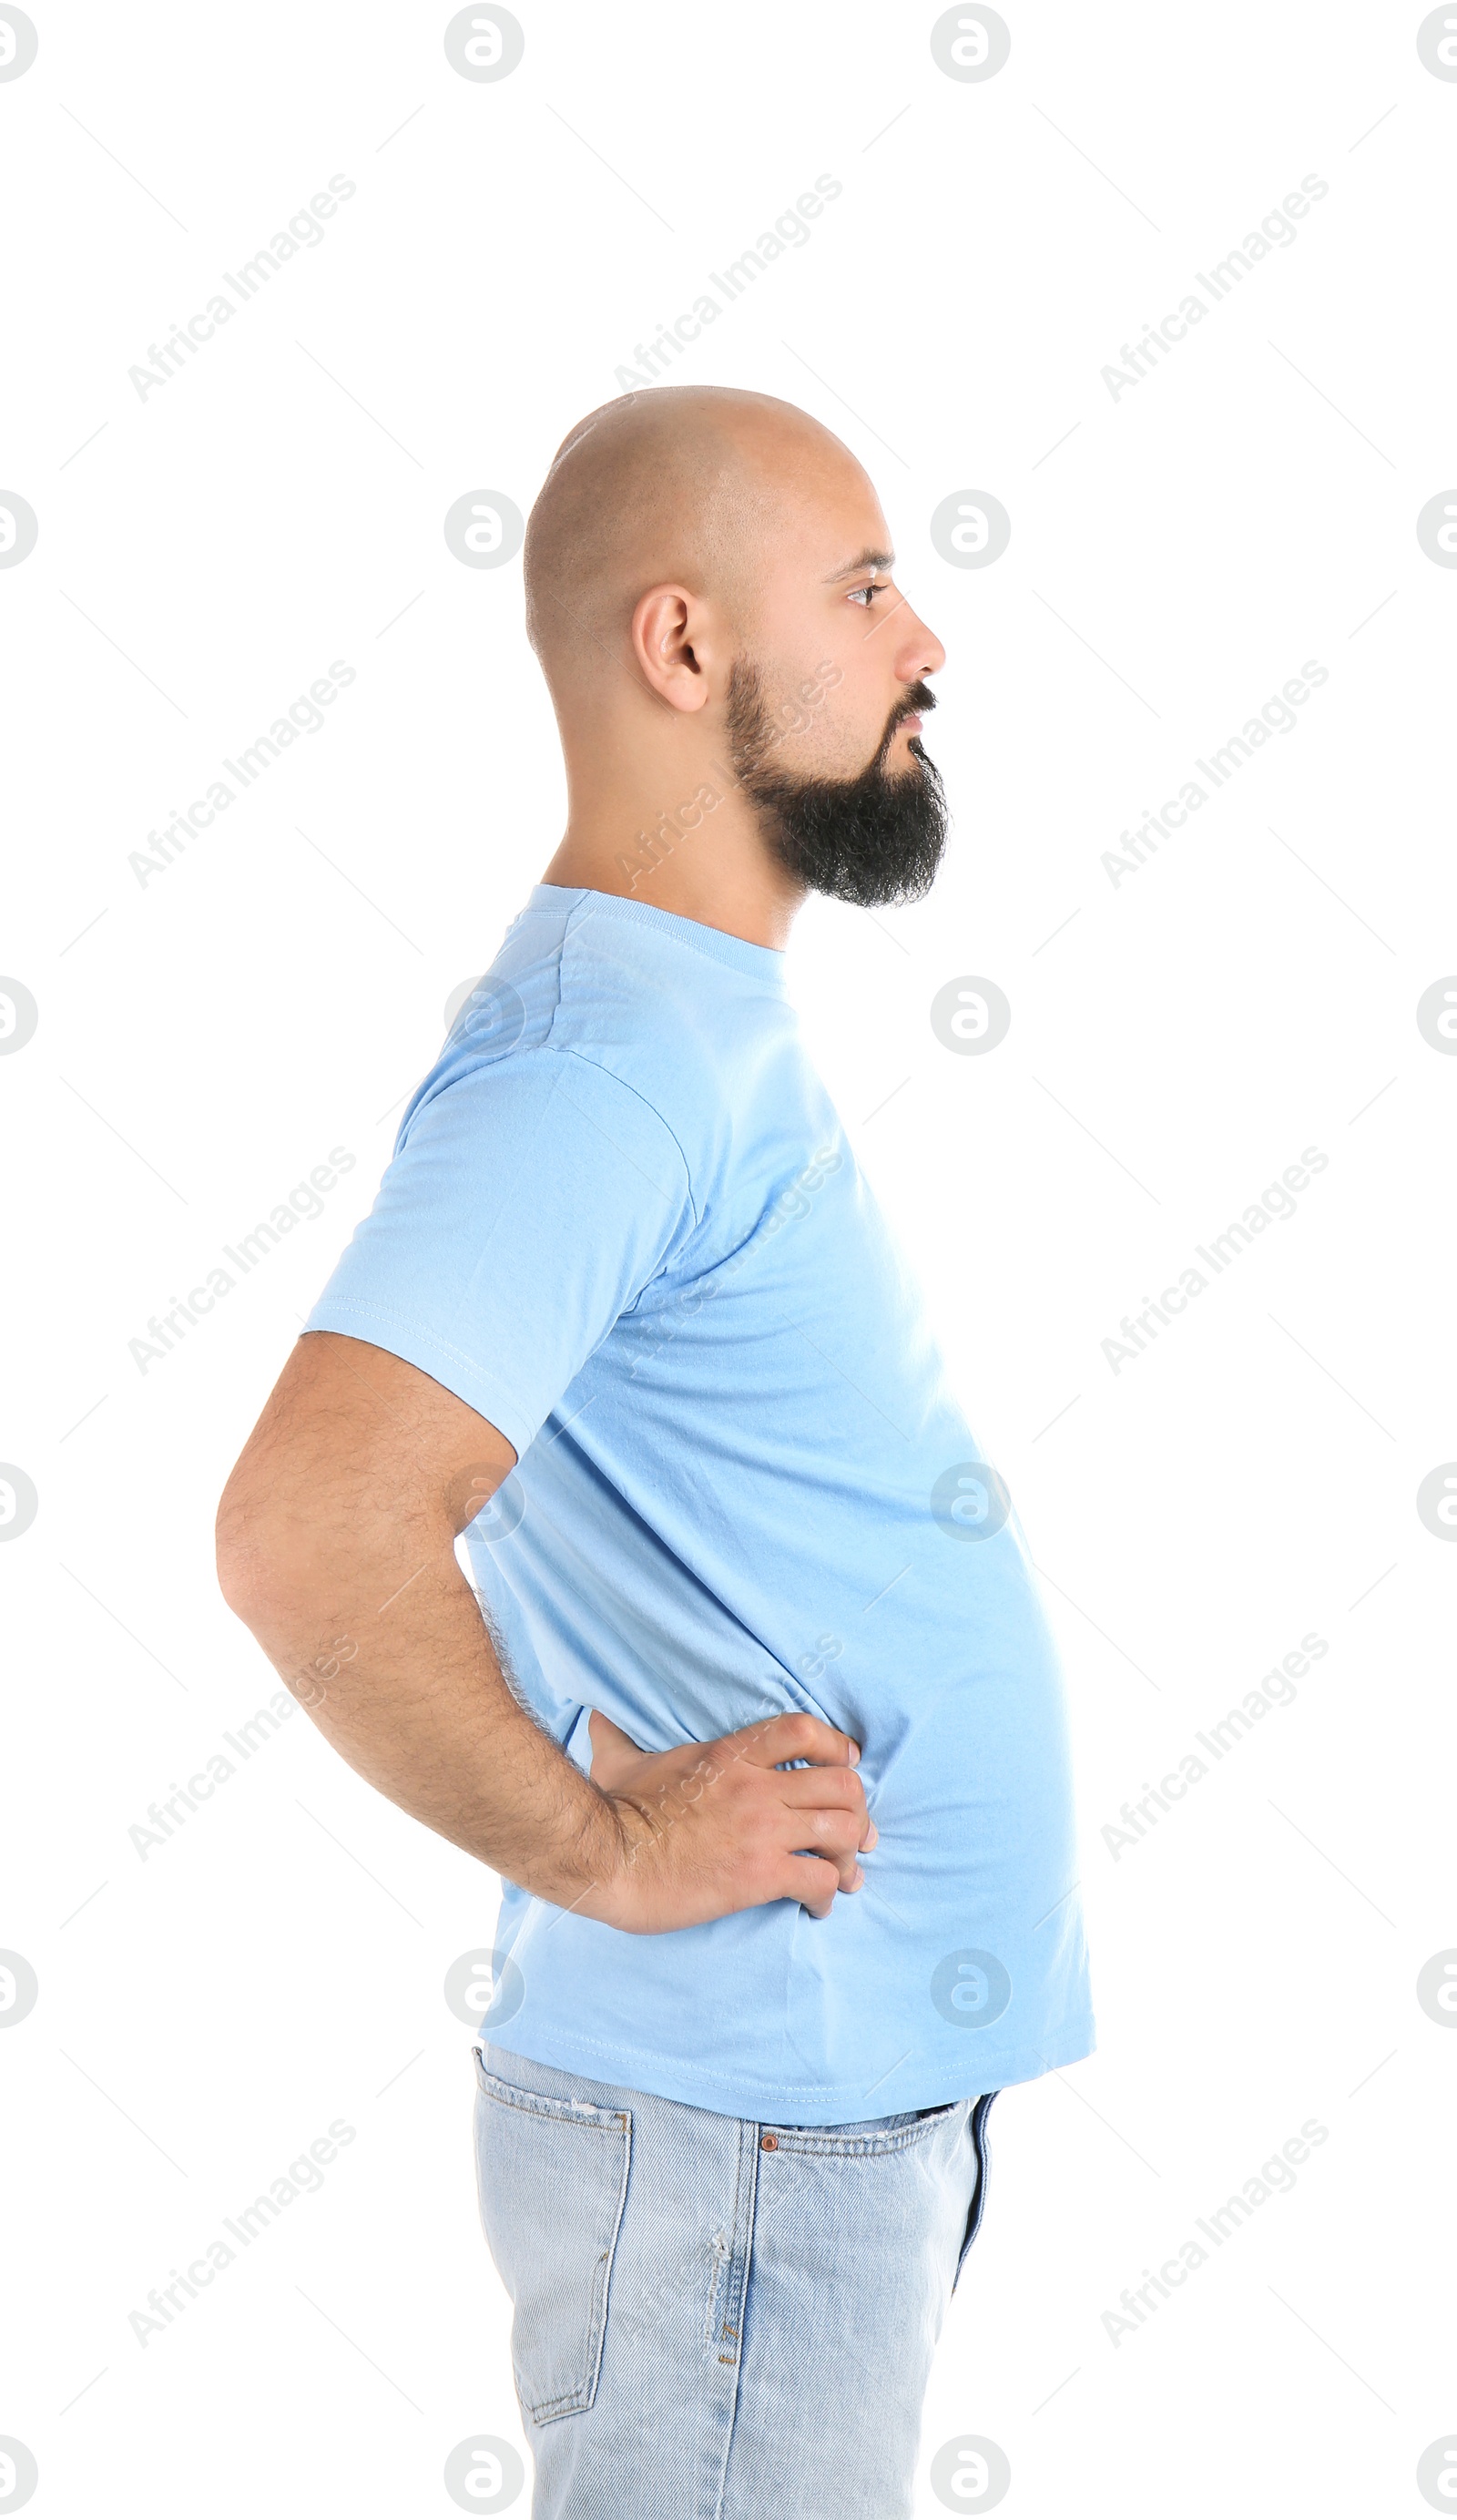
740	2254
860	2146
981	2110
720	2251
543	2104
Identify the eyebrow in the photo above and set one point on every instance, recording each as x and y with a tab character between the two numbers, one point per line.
863	560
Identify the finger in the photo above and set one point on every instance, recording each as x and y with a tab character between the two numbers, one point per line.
811	1881
822	1790
794	1736
806	1789
612	1749
834	1836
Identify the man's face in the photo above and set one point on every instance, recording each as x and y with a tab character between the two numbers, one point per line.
826	701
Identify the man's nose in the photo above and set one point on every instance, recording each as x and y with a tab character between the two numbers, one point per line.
918	651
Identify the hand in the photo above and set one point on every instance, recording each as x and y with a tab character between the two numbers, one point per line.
715	1826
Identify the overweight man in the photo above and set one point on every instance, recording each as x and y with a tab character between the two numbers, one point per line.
748	1699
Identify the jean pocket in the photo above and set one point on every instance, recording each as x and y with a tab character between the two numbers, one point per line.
862	2139
552	2177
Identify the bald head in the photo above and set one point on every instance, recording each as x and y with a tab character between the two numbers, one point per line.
710	592
684	485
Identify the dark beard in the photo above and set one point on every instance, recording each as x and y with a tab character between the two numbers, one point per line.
875	839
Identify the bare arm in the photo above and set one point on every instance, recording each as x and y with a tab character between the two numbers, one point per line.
335	1547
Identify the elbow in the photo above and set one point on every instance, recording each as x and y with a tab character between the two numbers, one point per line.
252	1550
240	1558
287	1569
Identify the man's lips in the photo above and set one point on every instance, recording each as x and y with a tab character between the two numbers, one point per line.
909	725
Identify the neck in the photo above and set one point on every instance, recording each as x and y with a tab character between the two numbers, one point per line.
701	857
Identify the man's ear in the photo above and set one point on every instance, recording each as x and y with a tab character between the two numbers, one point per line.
672	646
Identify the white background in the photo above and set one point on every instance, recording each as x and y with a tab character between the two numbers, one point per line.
1177	1038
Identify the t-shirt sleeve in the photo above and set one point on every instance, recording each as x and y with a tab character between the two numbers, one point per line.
529	1201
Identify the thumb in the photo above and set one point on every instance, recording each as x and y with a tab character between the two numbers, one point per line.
614	1753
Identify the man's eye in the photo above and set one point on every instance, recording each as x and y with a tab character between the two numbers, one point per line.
865	595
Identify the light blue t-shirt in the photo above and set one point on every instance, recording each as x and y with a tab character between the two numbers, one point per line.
624	1223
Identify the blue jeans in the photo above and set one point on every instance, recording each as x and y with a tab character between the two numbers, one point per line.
716	2320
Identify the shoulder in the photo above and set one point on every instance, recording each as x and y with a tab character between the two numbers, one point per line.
665	1022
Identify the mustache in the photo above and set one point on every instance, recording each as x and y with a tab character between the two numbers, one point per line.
917	702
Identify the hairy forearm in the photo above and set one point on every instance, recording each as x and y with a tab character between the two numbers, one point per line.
388	1651
335	1547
